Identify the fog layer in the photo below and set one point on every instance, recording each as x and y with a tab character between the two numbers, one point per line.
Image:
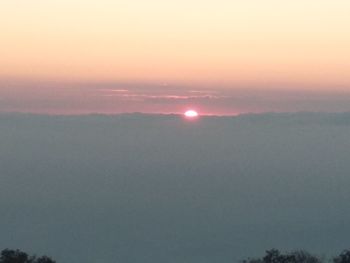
153	188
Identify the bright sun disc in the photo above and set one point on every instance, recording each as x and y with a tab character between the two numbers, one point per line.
191	114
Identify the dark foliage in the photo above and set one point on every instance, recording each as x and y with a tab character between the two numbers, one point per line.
275	256
271	256
17	256
344	257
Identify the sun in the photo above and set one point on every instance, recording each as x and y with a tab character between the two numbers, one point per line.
191	114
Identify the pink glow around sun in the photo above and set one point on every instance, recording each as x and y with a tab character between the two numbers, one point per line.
191	114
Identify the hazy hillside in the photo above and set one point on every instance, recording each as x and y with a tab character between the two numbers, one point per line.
158	188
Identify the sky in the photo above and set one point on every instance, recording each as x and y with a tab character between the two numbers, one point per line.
172	47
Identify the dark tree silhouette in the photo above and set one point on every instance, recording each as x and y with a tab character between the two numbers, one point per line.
344	257
275	256
44	259
301	256
271	256
17	256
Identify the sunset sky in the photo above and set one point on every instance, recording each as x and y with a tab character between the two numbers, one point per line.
222	56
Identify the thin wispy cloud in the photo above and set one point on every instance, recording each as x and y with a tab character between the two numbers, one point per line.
68	98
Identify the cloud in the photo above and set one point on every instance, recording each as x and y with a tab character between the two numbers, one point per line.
76	98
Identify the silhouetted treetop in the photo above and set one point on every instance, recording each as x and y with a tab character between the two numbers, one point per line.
17	256
275	256
44	259
344	257
14	256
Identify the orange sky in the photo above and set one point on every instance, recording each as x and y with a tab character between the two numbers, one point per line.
164	56
301	43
